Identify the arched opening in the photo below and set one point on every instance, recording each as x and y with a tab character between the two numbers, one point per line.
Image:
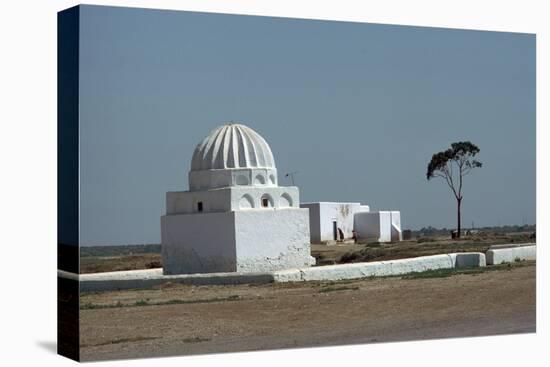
246	202
267	201
285	201
272	179
259	180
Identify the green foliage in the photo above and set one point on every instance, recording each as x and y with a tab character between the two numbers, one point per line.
461	153
452	165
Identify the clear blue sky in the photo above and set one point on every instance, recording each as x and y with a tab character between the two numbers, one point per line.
357	109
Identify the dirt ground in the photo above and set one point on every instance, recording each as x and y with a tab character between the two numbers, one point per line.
179	319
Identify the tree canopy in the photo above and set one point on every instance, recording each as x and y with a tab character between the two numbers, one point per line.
461	154
452	165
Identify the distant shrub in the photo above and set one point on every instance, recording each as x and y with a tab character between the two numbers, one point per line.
366	254
425	239
153	265
349	257
119	250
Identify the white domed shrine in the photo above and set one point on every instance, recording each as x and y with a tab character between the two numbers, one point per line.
234	217
232	155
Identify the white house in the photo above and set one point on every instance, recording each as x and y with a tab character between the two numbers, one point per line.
235	217
327	218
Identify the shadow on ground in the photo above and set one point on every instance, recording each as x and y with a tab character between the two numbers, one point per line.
48	345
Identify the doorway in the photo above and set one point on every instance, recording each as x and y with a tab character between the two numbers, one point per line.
334	230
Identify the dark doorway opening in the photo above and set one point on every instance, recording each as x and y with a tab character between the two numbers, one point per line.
199	206
335	230
265	202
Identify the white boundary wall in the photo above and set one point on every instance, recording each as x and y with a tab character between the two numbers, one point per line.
382	268
139	279
499	254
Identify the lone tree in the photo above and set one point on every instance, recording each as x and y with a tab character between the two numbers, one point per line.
452	165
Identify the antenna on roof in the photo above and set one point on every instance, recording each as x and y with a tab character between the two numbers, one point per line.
291	175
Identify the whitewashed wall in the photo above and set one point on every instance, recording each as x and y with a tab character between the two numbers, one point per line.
198	243
243	241
272	240
396	234
381	226
231	198
367	226
322	215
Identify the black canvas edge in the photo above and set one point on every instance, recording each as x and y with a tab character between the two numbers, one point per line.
68	325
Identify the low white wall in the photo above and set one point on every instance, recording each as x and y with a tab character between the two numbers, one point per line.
370	269
139	279
505	254
143	279
469	259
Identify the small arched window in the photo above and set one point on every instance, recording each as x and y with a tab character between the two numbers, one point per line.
266	201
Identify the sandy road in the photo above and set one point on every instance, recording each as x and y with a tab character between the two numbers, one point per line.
209	319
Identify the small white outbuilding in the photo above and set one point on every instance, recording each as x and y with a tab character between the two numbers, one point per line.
326	218
381	226
235	217
328	221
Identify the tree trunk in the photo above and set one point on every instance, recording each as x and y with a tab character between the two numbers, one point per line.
458	225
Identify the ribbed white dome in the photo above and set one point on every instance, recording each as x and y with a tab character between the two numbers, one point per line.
232	146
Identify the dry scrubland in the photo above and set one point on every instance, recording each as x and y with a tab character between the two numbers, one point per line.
98	259
182	319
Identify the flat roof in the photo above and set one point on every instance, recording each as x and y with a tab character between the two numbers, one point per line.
332	202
